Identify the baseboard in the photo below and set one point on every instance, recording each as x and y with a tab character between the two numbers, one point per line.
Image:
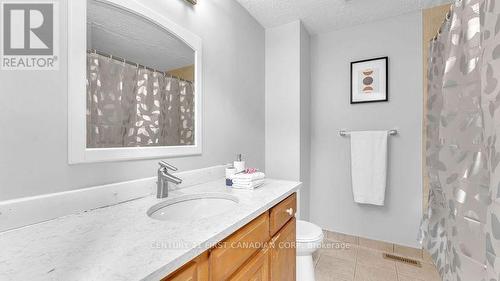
25	211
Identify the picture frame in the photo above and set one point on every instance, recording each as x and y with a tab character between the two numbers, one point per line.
370	80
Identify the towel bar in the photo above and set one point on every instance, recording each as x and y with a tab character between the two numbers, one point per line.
344	133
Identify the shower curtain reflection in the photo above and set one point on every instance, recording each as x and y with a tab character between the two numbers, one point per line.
131	106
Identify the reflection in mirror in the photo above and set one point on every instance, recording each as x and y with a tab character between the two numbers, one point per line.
140	81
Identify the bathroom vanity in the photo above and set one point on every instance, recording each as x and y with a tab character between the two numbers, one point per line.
264	249
124	242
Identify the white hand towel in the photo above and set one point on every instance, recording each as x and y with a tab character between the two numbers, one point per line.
369	166
245	181
249	185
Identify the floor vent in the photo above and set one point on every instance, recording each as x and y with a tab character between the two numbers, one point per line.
403	260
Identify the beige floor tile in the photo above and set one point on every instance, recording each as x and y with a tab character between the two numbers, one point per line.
408	252
426	256
377	245
362	264
427	272
373	258
370	273
316	255
341	250
334	269
415	278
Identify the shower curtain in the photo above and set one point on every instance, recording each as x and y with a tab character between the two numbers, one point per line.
131	106
461	229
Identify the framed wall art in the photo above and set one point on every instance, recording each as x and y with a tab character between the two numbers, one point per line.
369	80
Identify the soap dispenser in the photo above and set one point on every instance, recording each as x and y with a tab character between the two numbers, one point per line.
239	164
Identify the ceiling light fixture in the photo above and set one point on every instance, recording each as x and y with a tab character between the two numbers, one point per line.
193	2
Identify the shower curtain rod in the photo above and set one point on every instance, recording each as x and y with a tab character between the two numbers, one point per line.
94	51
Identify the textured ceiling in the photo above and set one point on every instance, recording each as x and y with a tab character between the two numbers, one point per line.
117	32
325	15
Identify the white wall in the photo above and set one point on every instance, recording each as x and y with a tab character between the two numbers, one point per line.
33	111
332	205
287	106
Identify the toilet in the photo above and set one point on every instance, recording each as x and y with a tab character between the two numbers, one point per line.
309	238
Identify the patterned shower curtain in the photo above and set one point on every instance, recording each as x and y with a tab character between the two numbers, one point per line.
461	229
131	106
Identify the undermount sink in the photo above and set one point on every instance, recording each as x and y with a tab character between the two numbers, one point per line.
193	206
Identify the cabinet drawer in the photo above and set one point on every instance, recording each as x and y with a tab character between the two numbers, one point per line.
187	273
238	248
282	213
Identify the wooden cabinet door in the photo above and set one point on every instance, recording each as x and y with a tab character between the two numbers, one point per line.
282	254
195	270
256	269
237	249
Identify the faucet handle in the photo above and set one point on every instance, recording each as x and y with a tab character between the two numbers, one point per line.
164	164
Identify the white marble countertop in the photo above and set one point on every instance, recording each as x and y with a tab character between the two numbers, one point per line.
122	243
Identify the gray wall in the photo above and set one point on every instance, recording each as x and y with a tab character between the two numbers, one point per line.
305	122
283	101
331	194
33	111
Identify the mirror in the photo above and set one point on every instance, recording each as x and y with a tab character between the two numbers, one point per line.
139	81
142	93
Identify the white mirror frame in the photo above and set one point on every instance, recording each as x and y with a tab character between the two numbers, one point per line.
77	52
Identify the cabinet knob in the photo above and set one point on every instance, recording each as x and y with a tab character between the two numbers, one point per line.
290	211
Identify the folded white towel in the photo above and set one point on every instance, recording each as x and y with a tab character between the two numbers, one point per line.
369	166
250	185
249	177
245	181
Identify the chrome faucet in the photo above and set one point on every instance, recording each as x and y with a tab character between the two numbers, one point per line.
164	177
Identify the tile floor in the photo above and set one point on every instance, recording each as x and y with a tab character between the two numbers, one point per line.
337	261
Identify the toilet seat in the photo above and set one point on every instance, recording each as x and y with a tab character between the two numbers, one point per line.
308	232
